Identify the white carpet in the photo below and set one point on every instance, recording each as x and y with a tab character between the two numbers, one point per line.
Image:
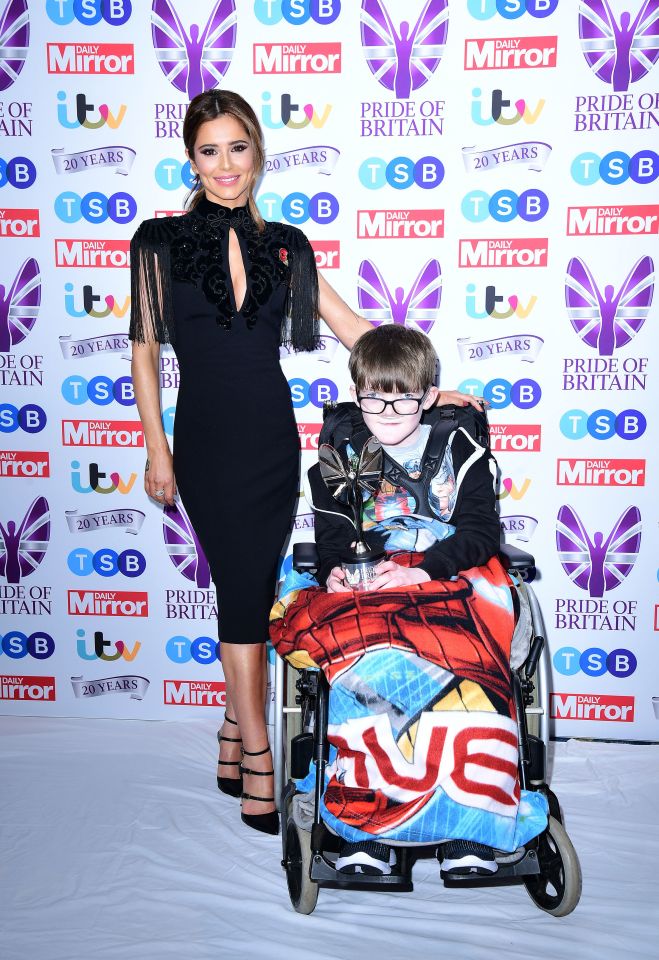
116	845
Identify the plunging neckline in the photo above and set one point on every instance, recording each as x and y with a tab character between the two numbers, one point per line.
233	219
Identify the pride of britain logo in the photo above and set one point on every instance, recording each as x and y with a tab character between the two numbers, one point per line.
419	308
198	61
599	564
619	52
609	320
183	546
403	60
23	545
14	41
19	306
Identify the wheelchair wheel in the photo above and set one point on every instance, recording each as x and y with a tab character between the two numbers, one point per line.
297	860
557	888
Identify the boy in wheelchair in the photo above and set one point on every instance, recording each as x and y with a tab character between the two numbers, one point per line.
421	711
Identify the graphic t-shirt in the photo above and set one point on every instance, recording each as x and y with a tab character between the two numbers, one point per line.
391	511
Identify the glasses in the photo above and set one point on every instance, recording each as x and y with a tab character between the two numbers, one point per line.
403	406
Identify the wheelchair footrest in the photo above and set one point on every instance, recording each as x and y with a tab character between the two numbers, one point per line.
323	872
526	866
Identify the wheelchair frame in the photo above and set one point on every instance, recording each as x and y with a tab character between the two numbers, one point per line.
547	865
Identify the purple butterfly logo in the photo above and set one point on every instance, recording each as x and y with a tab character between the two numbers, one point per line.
403	60
619	53
599	564
19	308
607	322
23	548
418	309
196	62
14	41
183	547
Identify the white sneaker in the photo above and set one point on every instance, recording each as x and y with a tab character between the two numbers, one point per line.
464	858
368	857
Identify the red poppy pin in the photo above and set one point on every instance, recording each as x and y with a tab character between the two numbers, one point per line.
283	255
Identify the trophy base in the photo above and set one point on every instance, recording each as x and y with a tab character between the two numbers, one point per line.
360	569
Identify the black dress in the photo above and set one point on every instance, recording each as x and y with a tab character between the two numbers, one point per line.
236	447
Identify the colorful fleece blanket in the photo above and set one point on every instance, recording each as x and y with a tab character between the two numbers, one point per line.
420	712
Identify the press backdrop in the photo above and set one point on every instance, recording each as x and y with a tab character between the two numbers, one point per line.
484	171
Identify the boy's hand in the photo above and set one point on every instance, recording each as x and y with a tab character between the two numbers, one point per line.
391	574
336	582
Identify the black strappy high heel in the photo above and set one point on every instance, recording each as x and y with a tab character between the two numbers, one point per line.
233	786
264	822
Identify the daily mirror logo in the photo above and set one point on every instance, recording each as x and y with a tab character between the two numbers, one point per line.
411	224
91	59
510	53
303	58
403	59
618	49
194	61
600	473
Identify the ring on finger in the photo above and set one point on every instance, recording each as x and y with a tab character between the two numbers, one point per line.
159	493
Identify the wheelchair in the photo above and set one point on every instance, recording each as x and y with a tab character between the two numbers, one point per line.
547	865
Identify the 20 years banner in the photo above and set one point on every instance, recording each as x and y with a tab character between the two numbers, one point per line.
484	171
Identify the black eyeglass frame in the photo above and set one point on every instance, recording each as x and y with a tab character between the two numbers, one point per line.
392	404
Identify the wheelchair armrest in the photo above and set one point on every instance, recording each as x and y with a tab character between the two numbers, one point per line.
516	559
305	556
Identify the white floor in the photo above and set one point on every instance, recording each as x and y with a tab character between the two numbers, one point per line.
116	845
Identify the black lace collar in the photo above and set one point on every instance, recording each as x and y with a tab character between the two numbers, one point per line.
217	213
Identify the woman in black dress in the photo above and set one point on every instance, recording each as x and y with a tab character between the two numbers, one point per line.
225	289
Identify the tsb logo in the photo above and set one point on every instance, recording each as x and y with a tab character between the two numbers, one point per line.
500	393
95	207
170	174
17	645
603	424
297	208
89	12
201	650
29	418
99	390
401	173
297	11
318	392
510	9
106	563
616	167
505	205
19	172
595	662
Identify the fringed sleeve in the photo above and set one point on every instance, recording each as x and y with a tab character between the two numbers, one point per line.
151	316
301	325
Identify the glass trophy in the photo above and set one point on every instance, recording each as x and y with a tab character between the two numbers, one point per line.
348	481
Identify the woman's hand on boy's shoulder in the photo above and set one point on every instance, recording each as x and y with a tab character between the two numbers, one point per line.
460	399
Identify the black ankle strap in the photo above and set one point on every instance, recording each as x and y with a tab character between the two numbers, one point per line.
250	796
256	773
229	720
258	752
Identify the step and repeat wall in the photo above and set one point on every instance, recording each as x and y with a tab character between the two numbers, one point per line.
484	171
